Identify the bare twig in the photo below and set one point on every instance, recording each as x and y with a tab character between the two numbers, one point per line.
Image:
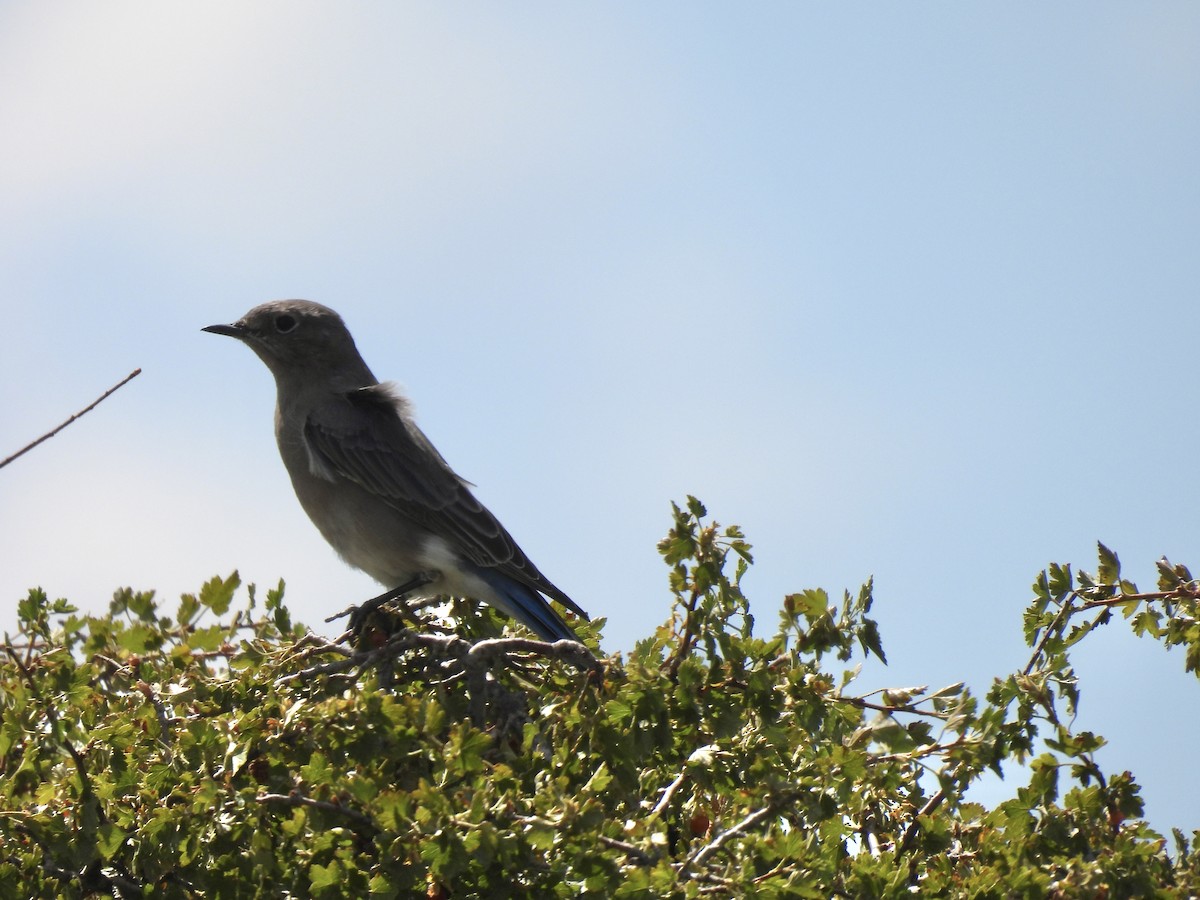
926	750
685	642
120	384
165	737
1183	592
628	849
471	656
1059	619
910	833
93	880
665	800
566	650
716	887
728	834
782	867
863	703
642	857
297	799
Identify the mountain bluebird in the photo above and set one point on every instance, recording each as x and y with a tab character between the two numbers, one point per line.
371	481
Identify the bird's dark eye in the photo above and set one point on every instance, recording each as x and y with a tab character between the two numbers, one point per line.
285	323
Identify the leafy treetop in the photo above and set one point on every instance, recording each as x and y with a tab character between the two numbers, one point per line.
208	750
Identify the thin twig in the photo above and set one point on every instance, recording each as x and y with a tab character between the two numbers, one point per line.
165	737
910	833
665	800
1183	592
780	868
1060	618
628	849
93	879
740	828
120	384
926	750
298	799
685	642
471	656
862	703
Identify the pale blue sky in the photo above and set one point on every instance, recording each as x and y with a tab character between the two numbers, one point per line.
905	290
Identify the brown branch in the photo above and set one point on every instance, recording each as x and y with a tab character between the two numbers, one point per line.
632	850
112	390
1060	619
471	656
298	799
1183	592
780	868
1187	591
566	650
910	833
863	703
740	828
927	750
665	800
643	858
689	627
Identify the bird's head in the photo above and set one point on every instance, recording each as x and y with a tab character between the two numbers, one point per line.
300	337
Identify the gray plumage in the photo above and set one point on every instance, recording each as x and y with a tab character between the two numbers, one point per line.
372	483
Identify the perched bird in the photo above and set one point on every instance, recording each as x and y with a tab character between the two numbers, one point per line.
371	481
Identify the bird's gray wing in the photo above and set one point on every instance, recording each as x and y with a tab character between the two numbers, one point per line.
368	437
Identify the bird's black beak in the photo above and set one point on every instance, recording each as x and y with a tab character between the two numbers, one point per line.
233	331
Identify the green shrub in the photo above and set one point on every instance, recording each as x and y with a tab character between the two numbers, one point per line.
197	751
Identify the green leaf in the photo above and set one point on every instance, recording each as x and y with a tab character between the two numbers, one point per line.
599	780
1110	567
189	608
137	639
321	878
217	593
141	604
317	770
109	839
381	886
208	638
1060	581
871	642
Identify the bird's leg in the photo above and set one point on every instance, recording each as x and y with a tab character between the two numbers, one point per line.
359	613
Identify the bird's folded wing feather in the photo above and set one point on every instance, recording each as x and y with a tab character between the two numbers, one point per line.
368	437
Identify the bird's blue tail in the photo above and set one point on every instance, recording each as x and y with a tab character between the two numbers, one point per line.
528	607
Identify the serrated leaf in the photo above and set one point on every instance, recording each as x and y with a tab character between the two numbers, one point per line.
142	605
207	638
381	886
317	770
950	690
189	608
869	637
600	779
1110	567
217	593
135	638
109	839
322	877
1060	579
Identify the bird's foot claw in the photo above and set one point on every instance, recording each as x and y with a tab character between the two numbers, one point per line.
360	614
